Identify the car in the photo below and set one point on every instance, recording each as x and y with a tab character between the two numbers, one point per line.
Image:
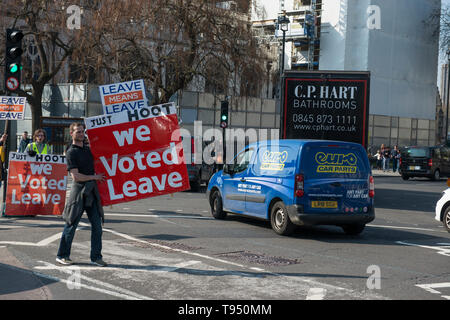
297	182
443	208
431	162
199	173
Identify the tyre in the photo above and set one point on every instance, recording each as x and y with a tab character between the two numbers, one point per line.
353	229
436	175
446	219
279	219
217	206
405	177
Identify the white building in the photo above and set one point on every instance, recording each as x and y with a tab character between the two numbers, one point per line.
393	39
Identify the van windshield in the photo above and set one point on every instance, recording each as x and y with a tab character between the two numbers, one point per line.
335	161
416	152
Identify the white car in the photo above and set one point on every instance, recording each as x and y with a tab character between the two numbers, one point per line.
443	208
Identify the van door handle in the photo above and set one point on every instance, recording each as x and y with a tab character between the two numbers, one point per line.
336	184
242	179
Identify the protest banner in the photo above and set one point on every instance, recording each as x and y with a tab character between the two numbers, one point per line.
12	108
123	96
140	152
36	185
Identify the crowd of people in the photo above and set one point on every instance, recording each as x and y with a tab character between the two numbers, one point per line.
385	155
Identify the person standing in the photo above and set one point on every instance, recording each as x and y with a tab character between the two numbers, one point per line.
2	166
24	141
38	146
395	158
84	196
386	156
379	156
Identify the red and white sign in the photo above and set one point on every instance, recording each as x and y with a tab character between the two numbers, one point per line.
12	108
123	96
36	185
12	83
140	152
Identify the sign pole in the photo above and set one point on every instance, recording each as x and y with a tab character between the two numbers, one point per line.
5	166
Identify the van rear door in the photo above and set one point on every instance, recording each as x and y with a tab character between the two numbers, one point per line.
336	178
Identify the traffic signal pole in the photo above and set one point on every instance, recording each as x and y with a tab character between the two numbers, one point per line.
13	68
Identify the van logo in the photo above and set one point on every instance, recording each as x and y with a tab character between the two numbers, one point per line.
336	162
272	160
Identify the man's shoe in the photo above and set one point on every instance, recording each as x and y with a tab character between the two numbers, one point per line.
99	262
64	261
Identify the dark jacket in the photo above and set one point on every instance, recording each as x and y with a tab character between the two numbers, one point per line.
82	196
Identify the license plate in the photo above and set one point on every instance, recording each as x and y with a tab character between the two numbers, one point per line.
414	167
324	204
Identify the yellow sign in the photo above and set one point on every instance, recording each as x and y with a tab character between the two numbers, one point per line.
336	162
273	160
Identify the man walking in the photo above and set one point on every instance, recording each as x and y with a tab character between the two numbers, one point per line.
395	158
84	196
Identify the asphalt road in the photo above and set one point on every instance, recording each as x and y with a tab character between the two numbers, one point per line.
170	247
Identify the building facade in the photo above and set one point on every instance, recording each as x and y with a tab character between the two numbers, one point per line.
394	40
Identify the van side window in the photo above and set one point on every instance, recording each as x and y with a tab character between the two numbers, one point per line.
445	154
242	160
437	153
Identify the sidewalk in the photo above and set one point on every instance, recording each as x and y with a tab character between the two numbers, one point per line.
381	173
18	282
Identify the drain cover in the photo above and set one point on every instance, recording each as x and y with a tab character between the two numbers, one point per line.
263	259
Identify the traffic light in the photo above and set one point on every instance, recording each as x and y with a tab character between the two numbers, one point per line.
224	114
13	66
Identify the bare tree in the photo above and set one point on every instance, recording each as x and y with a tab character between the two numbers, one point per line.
44	25
172	43
168	43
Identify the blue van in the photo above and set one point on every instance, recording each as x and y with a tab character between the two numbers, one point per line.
297	182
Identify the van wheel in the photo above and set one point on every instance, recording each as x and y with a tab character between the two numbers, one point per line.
446	219
353	229
436	176
217	206
405	177
279	219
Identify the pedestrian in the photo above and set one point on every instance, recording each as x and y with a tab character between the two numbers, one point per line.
38	146
379	157
395	158
24	141
386	156
84	196
2	158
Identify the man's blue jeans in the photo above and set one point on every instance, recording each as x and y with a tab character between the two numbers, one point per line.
96	234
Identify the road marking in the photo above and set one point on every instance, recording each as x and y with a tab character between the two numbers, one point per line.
309	281
181	265
316	294
118	292
405	228
430	288
443	250
157	216
41	243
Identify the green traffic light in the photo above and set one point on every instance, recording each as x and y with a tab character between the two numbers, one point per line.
13	67
224	117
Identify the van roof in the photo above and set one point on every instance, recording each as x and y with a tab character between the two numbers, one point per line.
301	142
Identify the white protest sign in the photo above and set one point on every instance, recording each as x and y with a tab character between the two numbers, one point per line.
123	96
12	108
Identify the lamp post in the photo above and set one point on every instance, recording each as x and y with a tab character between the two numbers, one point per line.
283	24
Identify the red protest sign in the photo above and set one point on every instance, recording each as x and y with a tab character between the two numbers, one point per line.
36	185
140	152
